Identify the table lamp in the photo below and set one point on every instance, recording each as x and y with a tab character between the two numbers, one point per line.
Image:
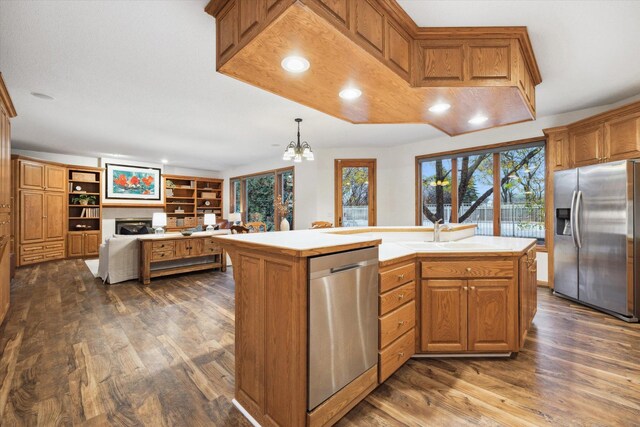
235	218
210	221
159	221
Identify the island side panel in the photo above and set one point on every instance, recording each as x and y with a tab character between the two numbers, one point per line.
271	336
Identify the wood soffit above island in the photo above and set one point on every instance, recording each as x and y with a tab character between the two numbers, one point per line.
401	69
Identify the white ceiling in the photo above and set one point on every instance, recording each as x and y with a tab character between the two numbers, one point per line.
137	78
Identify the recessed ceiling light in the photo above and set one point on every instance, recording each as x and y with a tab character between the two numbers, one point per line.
164	161
295	64
42	96
439	108
350	93
477	120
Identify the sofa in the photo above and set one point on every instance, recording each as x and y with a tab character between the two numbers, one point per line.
120	256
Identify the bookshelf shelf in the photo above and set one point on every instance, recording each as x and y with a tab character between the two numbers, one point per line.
84	222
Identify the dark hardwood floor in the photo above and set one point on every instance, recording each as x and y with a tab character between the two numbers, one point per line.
75	351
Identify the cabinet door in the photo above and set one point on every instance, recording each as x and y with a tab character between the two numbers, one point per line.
55	178
197	247
32	216
183	248
75	244
492	315
31	175
54	215
622	138
560	150
5	164
587	146
444	315
91	243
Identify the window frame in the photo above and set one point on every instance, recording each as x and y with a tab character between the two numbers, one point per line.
277	191
495	149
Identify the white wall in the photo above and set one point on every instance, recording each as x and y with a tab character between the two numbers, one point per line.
110	214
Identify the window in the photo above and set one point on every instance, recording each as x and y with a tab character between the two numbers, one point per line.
460	188
254	196
355	190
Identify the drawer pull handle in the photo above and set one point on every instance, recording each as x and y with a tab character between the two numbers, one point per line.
473	288
401	323
469	269
161	255
400	296
400	276
401	354
465	288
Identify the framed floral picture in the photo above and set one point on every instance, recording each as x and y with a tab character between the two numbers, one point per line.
132	182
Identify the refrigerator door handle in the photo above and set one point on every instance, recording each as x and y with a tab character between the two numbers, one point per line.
578	236
572	220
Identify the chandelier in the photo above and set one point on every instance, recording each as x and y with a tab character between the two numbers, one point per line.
298	151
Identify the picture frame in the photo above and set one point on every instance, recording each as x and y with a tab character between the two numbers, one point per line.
129	182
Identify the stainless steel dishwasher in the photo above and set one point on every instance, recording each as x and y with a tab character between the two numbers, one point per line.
343	320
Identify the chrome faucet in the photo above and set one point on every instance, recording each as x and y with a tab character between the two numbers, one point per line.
437	227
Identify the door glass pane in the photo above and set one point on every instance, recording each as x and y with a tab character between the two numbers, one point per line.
260	198
286	180
436	191
475	192
522	186
237	203
355	196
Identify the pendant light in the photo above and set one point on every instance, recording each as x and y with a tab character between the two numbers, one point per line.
298	151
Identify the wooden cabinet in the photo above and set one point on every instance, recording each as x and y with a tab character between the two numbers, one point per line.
83	244
492	312
469	305
528	289
5	163
397	317
587	145
558	148
622	137
41	211
208	254
444	316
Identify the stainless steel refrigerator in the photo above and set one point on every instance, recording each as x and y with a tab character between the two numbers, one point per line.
596	234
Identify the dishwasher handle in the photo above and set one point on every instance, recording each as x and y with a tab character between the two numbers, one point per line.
348	267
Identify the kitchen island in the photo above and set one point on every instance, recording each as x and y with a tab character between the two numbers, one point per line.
464	295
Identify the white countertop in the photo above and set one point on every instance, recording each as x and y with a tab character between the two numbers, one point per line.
300	240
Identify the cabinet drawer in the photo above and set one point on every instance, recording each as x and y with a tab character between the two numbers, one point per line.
163	246
397	323
54	246
210	244
54	255
396	277
469	269
31	249
30	259
396	297
212	250
393	357
161	255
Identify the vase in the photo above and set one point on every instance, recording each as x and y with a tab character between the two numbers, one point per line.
84	202
284	225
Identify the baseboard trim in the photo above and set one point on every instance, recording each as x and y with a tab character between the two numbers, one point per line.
543	283
246	414
461	355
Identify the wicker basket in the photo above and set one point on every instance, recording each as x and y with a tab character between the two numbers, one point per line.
190	221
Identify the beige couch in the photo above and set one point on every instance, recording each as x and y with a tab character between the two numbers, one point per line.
120	254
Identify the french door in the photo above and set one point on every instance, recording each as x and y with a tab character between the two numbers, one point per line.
355	192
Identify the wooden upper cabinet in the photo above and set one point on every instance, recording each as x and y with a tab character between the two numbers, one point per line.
489	60
227	31
369	24
337	10
55	178
440	63
32	175
251	14
622	137
398	49
444	316
54	215
492	314
559	150
587	145
32	206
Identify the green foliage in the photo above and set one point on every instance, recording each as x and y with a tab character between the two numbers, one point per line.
355	186
260	198
77	200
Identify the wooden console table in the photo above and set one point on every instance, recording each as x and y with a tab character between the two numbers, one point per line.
158	252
